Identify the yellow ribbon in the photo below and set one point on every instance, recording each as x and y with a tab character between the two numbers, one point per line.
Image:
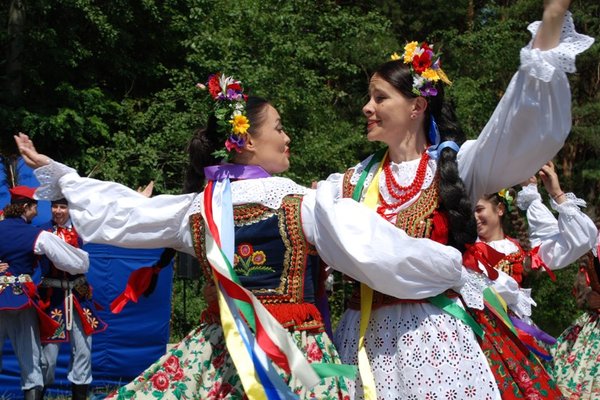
235	345
366	301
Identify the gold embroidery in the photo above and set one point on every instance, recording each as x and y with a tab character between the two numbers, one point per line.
291	283
416	219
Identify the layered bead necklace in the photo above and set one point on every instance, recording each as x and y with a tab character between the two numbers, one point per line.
401	193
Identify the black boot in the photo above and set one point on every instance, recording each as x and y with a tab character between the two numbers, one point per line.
33	394
79	392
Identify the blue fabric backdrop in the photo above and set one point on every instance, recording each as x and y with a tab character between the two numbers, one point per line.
134	339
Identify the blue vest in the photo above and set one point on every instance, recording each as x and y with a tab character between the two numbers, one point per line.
16	248
16	245
273	260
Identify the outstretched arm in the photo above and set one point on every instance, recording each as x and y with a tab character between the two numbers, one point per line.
548	35
561	241
111	213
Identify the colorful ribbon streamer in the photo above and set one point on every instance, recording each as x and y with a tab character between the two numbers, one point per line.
241	312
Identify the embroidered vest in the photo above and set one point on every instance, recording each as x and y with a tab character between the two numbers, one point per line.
272	259
422	219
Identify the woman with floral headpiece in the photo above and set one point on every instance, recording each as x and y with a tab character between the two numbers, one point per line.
271	258
556	244
276	233
418	344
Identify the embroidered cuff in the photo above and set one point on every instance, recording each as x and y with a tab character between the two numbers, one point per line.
48	176
542	64
524	302
528	195
471	289
569	207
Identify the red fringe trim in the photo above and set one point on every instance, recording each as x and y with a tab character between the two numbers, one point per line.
295	317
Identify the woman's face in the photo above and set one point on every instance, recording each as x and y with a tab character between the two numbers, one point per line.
271	144
488	218
388	112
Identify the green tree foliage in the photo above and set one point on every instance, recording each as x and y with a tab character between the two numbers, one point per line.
109	87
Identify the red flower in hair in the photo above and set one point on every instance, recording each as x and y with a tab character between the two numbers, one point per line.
425	46
422	62
235	86
214	88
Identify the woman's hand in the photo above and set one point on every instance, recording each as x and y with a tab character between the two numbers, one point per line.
30	155
550	179
548	35
3	267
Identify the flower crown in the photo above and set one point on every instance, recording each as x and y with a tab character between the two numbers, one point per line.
425	67
230	111
506	198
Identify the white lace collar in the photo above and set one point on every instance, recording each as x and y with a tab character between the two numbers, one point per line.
268	192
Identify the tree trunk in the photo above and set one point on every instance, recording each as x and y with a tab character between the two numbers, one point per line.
14	64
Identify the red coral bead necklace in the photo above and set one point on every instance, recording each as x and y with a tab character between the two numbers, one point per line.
402	193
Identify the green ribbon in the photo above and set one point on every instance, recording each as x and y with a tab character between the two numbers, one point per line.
326	370
441	300
447	305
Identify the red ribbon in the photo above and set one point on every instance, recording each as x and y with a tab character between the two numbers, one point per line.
480	252
537	262
235	291
138	282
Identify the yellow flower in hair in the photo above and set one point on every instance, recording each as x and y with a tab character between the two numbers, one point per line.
240	124
394	57
443	76
430	74
409	51
508	199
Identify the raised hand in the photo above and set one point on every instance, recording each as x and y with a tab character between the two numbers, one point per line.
548	35
551	183
30	155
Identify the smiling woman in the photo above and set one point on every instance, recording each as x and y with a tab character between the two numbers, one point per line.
425	182
272	257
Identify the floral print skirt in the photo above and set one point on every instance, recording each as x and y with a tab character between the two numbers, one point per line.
518	372
200	367
577	358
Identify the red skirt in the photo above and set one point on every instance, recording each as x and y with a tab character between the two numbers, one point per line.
518	372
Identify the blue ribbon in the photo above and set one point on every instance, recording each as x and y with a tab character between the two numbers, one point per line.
435	151
434	133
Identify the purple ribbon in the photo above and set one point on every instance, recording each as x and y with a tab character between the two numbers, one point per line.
234	171
532	330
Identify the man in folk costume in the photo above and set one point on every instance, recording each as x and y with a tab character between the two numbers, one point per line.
67	299
21	317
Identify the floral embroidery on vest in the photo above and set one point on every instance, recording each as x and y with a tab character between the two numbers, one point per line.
248	262
291	282
285	300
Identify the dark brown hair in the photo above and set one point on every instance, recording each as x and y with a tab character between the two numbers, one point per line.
453	195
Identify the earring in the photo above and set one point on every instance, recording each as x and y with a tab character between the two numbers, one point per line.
413	116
